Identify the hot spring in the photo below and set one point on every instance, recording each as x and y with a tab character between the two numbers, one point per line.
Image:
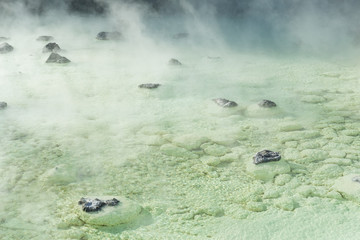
180	165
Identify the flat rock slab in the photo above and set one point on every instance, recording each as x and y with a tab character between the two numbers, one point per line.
222	102
109	36
123	212
3	105
266	156
5	48
51	47
267	104
56	58
349	186
174	62
45	38
149	85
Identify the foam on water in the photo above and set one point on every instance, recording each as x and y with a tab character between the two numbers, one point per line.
86	129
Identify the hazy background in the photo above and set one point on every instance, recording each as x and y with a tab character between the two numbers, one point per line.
310	26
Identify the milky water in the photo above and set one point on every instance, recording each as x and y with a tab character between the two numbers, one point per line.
86	129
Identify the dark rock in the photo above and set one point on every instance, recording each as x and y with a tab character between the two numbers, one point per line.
94	205
91	205
45	38
222	102
356	179
149	85
267	104
266	156
109	36
56	58
3	105
174	62
51	47
5	48
180	35
112	202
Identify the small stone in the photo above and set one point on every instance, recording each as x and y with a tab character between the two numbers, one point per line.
91	205
266	156
356	179
3	105
267	104
5	48
174	62
56	58
149	85
112	202
222	102
51	47
109	36
45	38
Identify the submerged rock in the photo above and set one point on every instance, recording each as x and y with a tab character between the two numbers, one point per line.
5	48
109	36
3	105
267	104
114	212
222	102
174	62
180	35
56	58
266	156
149	85
51	47
45	38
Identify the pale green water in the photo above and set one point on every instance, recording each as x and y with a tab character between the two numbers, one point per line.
173	151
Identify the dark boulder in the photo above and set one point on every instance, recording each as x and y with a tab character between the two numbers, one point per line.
56	58
5	48
267	104
94	205
45	38
149	85
3	105
222	102
51	47
174	62
266	156
109	36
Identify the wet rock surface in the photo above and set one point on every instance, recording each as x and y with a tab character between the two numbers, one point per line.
45	38
51	47
149	85
56	58
266	156
267	104
109	36
222	102
5	48
174	62
3	105
94	205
